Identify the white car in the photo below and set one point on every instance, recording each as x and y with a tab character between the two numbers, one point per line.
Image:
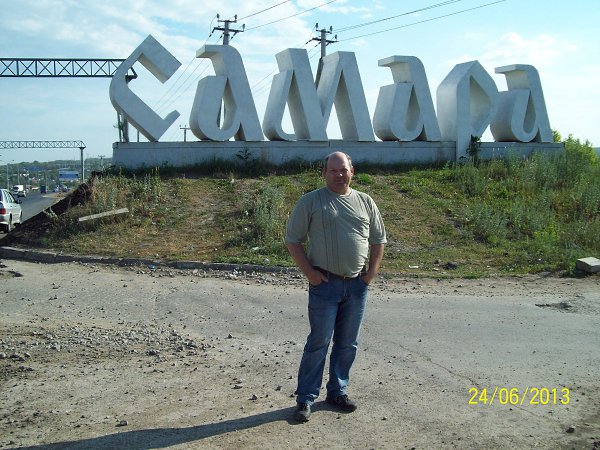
10	210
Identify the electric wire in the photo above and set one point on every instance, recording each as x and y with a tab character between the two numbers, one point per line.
183	87
266	9
163	97
437	5
204	65
262	86
421	21
258	90
168	101
293	15
165	102
159	103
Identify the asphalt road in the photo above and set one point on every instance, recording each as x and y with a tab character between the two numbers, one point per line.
35	203
494	363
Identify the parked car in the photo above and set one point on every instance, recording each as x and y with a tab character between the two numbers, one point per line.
19	190
10	210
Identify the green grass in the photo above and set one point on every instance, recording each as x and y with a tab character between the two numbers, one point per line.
510	216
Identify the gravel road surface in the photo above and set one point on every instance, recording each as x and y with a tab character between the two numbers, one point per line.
95	356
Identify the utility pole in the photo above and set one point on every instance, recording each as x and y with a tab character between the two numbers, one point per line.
227	30
226	38
323	32
81	181
184	128
7	183
7	177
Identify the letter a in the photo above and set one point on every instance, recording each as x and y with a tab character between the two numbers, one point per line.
162	64
404	110
230	85
522	114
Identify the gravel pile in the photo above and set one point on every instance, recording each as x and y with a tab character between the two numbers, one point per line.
144	339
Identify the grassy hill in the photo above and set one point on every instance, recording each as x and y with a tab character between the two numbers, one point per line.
474	219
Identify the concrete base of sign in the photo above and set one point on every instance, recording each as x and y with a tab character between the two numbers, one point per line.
138	155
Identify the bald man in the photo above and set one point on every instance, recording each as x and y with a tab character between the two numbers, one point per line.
331	234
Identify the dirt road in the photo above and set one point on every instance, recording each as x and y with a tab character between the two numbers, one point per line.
103	357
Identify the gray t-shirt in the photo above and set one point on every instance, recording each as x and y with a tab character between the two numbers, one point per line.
340	229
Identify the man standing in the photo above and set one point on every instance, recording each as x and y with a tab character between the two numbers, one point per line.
342	225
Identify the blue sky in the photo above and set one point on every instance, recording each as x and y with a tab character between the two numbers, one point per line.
560	38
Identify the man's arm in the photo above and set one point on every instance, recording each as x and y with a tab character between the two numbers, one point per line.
299	256
374	262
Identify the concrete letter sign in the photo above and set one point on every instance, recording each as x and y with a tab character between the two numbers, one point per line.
466	103
404	110
522	114
230	85
162	64
467	100
340	83
294	85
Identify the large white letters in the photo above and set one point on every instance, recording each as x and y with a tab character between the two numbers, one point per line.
310	107
466	103
467	100
162	64
294	85
340	83
404	110
231	85
522	114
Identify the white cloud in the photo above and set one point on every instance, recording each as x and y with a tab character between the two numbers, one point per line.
338	7
541	51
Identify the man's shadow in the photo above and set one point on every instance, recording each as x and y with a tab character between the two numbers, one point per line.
167	437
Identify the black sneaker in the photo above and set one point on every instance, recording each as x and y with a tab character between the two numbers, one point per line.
302	413
342	402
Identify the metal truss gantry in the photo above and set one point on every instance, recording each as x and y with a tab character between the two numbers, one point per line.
61	68
48	144
55	68
42	144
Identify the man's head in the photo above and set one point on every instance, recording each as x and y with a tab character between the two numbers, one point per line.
338	172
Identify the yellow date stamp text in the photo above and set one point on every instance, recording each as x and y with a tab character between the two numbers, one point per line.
522	397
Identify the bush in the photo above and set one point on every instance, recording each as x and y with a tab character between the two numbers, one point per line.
551	202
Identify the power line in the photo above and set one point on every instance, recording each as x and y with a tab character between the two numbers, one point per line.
189	64
171	97
421	21
437	5
159	102
266	9
183	86
262	85
200	64
259	90
293	15
227	31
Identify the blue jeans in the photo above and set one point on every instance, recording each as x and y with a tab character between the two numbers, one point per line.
335	309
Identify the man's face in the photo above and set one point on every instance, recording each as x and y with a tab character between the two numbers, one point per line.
338	174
